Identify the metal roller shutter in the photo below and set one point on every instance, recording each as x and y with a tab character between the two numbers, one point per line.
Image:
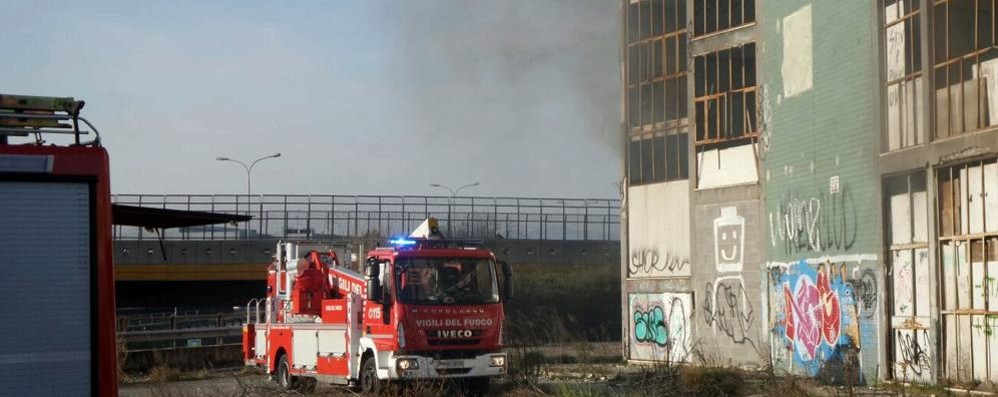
45	334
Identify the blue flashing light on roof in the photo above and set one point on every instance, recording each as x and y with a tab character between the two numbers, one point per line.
401	242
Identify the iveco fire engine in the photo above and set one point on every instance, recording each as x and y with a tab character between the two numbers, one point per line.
425	308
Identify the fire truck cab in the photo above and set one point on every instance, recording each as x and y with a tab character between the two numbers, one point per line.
425	308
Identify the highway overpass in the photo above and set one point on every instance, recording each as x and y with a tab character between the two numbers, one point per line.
228	262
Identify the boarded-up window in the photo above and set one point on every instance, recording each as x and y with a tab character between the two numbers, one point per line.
656	90
906	215
965	71
968	241
905	81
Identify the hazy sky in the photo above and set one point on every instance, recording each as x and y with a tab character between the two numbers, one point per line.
360	97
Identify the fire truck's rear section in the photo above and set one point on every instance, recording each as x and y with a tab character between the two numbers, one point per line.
425	308
57	336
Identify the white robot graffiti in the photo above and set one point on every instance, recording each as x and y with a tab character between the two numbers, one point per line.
729	241
729	250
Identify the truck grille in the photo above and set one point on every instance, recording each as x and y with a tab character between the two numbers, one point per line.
450	354
452	342
453	371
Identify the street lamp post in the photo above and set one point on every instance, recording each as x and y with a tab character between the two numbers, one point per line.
450	200
248	168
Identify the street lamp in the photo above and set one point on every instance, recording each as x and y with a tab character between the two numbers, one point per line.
450	203
452	191
249	168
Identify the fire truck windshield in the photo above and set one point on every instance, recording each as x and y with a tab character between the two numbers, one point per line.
442	281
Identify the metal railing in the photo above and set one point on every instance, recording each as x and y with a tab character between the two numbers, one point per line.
336	216
173	330
170	339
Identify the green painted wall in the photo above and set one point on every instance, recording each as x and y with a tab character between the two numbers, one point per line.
816	130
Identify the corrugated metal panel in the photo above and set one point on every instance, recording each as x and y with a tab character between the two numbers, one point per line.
45	241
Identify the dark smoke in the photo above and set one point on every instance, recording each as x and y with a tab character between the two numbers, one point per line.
508	72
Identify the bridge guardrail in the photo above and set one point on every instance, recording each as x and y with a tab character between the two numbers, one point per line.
339	216
172	330
168	339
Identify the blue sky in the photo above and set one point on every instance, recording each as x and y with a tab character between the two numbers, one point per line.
360	97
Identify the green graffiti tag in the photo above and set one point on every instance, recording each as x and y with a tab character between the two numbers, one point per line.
649	326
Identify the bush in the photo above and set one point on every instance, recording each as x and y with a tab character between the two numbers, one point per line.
564	306
712	381
162	374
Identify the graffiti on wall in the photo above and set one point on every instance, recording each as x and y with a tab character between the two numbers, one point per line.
864	284
764	112
985	325
816	314
660	326
658	243
904	284
729	241
727	308
814	224
912	347
646	262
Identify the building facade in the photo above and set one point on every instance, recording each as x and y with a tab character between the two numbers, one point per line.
797	196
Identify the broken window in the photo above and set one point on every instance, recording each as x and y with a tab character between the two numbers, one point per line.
968	241
725	108
711	16
656	101
907	215
905	83
658	157
965	66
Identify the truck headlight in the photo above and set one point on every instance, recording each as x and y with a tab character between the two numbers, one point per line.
497	361
405	364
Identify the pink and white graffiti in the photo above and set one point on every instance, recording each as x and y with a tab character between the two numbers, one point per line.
813	314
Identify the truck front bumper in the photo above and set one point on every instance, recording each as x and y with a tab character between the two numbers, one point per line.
420	367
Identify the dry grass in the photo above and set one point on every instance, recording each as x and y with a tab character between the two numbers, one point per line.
163	374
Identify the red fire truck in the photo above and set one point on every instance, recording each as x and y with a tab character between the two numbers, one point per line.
58	337
425	308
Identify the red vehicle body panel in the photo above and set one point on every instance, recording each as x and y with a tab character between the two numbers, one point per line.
91	163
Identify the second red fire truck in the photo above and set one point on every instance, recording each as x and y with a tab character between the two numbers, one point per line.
424	308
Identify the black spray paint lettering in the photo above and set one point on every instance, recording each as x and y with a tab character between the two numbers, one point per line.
814	224
866	292
727	308
914	354
647	261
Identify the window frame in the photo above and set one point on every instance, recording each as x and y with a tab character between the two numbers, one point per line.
957	237
952	66
914	38
700	28
656	71
702	99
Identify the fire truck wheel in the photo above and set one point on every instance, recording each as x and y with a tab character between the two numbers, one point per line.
369	383
284	378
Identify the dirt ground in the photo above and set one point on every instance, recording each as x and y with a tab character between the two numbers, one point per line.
583	380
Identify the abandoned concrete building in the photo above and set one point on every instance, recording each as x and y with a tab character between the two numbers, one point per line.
812	184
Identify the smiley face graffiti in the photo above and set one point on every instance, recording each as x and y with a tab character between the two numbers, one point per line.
729	241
